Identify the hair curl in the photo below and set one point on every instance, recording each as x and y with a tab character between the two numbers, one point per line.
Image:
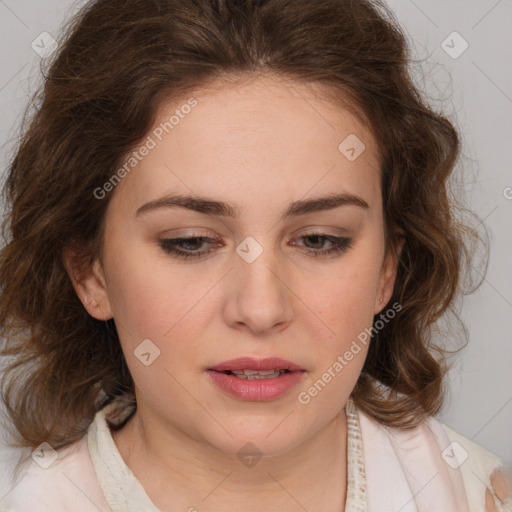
116	64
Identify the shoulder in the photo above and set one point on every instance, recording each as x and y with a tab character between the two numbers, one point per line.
433	457
483	472
465	453
55	481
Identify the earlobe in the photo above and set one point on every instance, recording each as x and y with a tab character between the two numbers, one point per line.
89	284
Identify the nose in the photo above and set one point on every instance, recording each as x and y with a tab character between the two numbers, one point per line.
259	298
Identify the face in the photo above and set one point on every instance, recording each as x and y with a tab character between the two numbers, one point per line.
270	272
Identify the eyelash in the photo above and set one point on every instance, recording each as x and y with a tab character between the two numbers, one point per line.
340	245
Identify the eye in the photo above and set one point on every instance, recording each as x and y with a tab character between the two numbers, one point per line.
338	245
194	247
175	246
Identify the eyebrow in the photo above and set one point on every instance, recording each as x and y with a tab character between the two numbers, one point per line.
209	206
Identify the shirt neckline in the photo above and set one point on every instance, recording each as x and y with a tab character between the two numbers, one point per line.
124	493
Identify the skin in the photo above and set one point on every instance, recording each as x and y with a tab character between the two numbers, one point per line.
501	481
262	145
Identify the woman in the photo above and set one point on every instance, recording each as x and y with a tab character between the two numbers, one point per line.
229	238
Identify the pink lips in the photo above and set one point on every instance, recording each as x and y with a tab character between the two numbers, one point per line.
250	363
258	389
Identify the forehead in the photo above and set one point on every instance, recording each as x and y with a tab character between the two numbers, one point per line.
265	138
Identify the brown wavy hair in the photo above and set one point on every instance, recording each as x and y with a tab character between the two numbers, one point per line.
116	64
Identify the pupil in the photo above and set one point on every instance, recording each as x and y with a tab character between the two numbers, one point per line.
190	242
318	238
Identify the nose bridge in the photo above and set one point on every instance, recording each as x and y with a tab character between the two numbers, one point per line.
260	299
257	266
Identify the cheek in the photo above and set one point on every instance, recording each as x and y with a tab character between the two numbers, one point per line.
156	309
345	306
345	301
145	299
150	304
153	299
344	331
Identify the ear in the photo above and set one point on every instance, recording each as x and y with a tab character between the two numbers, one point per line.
89	284
388	276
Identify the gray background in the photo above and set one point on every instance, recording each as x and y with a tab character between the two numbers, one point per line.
474	89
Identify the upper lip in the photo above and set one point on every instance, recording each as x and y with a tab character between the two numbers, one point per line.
251	363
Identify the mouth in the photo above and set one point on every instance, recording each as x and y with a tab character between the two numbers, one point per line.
256	380
250	366
255	374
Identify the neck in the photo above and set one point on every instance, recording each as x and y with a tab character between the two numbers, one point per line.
178	471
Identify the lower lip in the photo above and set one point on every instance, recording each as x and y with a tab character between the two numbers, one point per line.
256	390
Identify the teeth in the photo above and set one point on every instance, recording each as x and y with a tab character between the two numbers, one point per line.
255	374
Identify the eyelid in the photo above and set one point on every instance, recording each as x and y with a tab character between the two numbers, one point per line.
191	232
324	228
321	230
198	232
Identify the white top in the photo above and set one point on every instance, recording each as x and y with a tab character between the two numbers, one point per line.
430	468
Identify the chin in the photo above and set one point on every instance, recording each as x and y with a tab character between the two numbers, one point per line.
265	442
